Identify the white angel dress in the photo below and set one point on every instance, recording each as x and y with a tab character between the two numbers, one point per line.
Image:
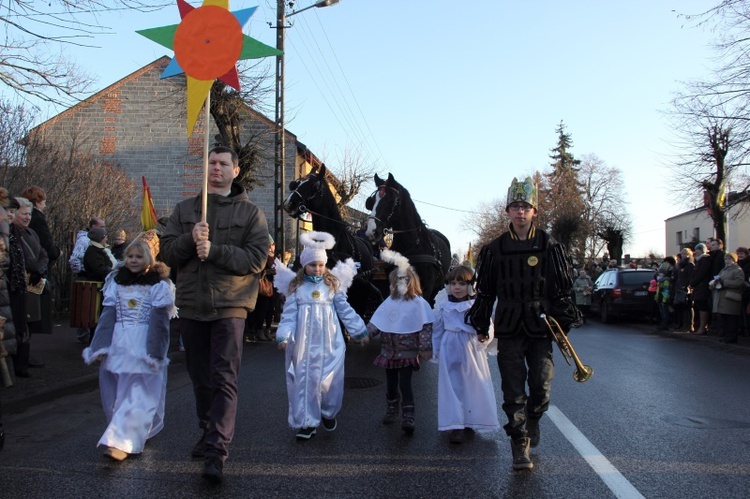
466	397
315	349
133	349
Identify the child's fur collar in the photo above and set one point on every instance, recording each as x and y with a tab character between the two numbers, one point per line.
158	272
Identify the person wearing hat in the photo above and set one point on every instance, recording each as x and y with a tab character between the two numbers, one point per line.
727	288
702	275
218	263
665	290
311	335
78	319
540	284
16	279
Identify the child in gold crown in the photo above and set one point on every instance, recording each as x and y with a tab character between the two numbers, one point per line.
132	340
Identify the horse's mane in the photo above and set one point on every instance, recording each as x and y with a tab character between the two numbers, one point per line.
328	198
409	209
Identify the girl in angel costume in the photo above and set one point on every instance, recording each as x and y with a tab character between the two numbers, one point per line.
466	397
404	321
132	341
310	334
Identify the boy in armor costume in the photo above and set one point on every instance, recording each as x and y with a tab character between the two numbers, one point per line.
528	273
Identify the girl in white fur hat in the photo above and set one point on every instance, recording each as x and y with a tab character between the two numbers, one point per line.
404	321
310	333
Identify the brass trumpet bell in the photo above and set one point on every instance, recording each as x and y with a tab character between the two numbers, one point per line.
582	372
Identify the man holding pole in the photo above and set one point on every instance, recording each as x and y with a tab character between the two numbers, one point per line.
217	245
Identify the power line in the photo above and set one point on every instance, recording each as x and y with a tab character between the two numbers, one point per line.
446	208
348	120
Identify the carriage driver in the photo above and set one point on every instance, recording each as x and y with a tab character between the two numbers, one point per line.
528	273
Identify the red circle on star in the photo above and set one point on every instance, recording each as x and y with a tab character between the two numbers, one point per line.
208	42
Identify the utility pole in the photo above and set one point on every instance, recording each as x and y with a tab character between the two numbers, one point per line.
279	227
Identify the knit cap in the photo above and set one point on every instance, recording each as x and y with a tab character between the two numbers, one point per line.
316	244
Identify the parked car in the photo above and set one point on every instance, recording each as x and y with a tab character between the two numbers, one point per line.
618	292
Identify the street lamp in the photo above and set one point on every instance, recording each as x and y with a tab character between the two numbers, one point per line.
280	137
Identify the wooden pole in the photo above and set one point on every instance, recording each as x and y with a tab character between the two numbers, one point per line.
204	195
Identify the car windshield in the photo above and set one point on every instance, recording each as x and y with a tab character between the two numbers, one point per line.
635	278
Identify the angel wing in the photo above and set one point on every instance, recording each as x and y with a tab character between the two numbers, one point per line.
283	278
345	270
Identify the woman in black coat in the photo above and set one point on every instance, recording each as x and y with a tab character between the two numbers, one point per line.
38	224
699	284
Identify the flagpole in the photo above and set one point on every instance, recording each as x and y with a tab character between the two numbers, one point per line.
204	195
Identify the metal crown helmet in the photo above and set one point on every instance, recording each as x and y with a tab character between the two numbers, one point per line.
523	192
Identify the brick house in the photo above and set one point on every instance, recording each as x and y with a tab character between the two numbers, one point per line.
139	124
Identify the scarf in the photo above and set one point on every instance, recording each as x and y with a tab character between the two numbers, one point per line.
17	270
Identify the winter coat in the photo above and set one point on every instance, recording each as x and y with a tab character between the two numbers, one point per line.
582	287
225	285
35	256
685	270
96	262
39	225
8	345
76	256
731	283
701	277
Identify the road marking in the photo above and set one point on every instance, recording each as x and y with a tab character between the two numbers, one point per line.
612	478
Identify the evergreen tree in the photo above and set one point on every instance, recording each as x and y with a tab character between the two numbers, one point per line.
562	200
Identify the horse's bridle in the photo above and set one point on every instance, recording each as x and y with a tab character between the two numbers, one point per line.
386	222
302	208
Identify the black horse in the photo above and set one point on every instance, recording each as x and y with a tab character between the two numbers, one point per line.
428	251
312	194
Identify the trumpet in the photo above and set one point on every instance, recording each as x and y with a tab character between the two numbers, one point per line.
582	372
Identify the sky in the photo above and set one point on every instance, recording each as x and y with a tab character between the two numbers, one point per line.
457	98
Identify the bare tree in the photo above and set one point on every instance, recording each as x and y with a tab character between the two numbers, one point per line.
605	218
488	222
77	185
352	172
33	63
234	112
713	149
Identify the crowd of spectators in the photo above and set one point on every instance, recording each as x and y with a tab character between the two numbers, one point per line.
703	290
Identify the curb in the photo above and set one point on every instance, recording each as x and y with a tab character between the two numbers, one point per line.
73	386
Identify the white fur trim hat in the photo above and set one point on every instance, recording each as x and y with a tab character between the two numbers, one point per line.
316	244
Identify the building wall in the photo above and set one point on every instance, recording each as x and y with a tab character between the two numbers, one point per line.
140	124
738	229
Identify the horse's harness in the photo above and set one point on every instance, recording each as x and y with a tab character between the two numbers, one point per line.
436	256
304	209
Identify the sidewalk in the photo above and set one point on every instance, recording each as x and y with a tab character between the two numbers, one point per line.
742	345
64	372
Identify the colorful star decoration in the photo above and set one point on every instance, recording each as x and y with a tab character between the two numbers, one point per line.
207	44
